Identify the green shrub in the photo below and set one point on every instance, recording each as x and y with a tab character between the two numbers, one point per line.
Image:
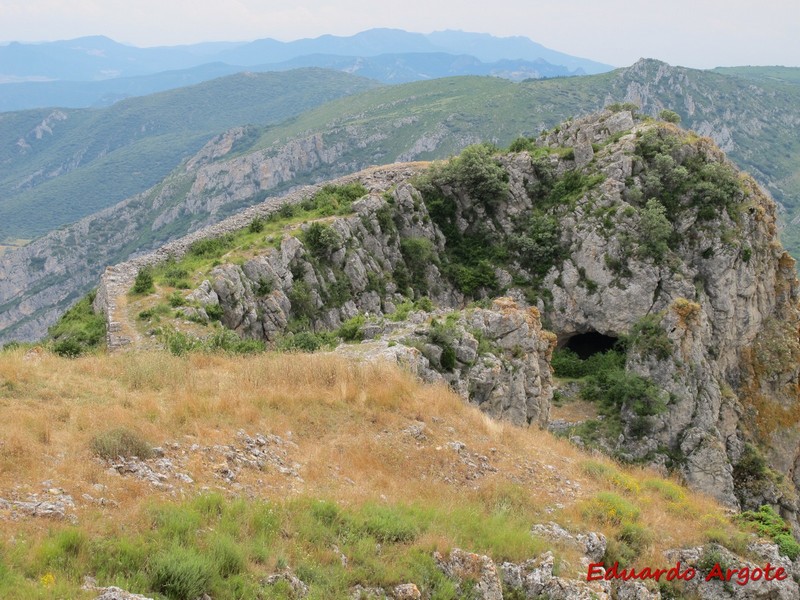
770	524
670	116
570	187
650	339
636	536
227	556
305	341
655	230
385	217
338	292
713	555
448	359
264	286
418	253
211	247
619	551
350	330
568	364
476	172
68	348
256	225
175	275
143	284
121	441
539	247
181	573
522	144
228	341
302	301
287	211
336	199
176	299
470	279
178	343
214	311
615	388
322	239
401	311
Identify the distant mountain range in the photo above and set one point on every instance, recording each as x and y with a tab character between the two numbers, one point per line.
97	71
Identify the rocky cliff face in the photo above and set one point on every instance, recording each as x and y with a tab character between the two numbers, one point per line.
607	227
721	292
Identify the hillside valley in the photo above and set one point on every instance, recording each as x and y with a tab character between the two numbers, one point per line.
753	122
59	165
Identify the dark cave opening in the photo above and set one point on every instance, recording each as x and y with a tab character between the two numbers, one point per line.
587	344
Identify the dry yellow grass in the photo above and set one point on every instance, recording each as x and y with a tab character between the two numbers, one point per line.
348	421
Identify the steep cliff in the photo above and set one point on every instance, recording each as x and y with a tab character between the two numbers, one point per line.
612	229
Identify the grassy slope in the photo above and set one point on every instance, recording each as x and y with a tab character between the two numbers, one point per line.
130	146
381	484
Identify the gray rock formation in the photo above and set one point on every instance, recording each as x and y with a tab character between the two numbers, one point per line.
506	374
704	559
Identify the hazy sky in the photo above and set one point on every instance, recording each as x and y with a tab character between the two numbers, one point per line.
694	33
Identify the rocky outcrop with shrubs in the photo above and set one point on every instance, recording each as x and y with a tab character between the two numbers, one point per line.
631	229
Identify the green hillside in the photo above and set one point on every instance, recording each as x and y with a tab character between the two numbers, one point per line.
784	74
81	161
752	121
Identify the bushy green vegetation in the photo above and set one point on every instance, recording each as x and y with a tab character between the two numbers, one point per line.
670	116
614	388
753	477
224	547
605	381
568	364
322	240
143	283
539	245
306	341
80	330
351	330
770	524
656	231
335	199
476	171
684	180
649	338
403	309
221	340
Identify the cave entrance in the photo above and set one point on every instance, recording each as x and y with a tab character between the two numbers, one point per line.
592	342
